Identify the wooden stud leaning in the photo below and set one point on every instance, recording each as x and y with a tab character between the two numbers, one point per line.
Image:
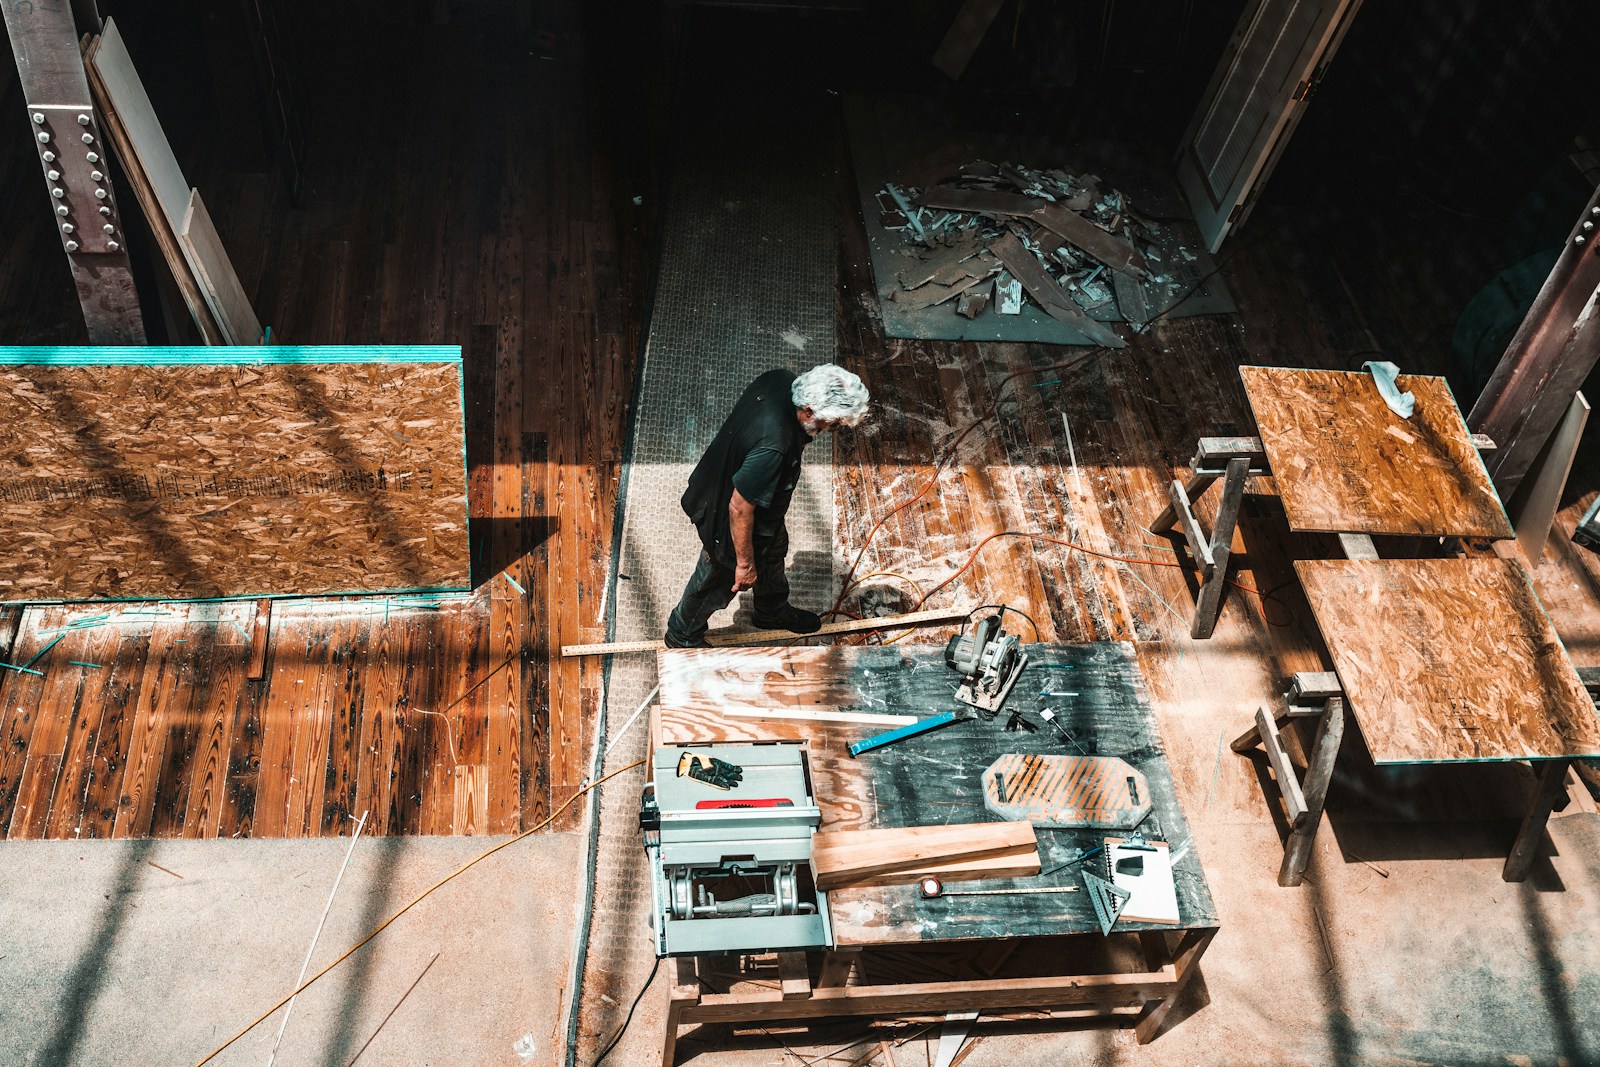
766	637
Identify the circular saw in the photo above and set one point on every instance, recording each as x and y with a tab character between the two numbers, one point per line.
989	661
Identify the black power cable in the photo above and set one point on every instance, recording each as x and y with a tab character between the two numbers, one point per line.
648	982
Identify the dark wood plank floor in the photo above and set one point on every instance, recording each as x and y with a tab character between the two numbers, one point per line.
483	210
492	208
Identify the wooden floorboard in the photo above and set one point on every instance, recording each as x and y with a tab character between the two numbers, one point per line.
511	231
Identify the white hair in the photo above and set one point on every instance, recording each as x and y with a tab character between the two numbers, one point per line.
832	393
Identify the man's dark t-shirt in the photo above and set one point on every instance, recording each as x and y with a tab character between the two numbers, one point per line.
758	451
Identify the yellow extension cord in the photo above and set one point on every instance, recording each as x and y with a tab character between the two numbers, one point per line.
303	986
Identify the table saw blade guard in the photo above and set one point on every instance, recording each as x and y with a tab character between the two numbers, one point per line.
733	879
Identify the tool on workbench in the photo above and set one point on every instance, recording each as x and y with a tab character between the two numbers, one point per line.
989	661
733	875
1078	857
710	770
1108	900
931	887
1049	716
1017	721
900	733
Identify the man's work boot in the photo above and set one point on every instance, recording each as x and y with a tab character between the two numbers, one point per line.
791	618
673	642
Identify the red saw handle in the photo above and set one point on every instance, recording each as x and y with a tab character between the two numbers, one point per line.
767	802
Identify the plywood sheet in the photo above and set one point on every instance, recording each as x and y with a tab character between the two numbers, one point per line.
213	270
1449	660
116	72
184	473
1345	463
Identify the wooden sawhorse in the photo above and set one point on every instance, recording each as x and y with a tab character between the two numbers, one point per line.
1231	459
1311	695
1317	694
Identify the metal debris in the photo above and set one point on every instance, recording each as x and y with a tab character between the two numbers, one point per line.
1091	246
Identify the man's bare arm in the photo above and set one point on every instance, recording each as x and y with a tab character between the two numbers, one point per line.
742	521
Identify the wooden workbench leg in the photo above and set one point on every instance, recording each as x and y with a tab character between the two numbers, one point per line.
1552	783
836	967
1330	734
1210	604
685	992
1193	490
1186	960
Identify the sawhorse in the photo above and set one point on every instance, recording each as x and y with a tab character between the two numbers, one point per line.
1233	460
1311	695
1317	694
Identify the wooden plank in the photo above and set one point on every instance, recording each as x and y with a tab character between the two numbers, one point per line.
1044	289
346	696
1179	505
818	715
1319	776
1120	255
1540	499
842	857
113	67
260	633
230	478
213	271
1548	792
966	32
1357	546
1067	226
83	804
1193	489
145	194
1430	681
732	639
1294	801
933	293
1344	463
223	665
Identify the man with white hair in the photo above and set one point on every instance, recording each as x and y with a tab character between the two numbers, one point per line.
739	493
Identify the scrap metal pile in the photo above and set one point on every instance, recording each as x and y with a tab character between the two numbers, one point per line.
979	241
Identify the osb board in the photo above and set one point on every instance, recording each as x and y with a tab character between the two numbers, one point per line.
222	478
938	776
1449	660
1345	463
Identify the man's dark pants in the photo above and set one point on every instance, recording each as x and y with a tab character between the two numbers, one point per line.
710	589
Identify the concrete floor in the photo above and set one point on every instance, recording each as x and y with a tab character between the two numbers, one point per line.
105	958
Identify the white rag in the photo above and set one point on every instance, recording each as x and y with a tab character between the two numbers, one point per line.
1402	404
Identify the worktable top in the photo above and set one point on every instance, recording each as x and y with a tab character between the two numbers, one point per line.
935	778
1344	463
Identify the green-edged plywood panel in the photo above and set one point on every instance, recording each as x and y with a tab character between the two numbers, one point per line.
202	473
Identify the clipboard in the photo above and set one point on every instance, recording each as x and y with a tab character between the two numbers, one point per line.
1146	874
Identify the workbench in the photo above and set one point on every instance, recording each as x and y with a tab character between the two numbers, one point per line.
895	953
1342	463
1439	660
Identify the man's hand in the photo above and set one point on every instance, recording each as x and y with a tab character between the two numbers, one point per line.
744	577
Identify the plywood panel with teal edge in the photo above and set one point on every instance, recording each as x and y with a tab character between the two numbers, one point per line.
203	473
